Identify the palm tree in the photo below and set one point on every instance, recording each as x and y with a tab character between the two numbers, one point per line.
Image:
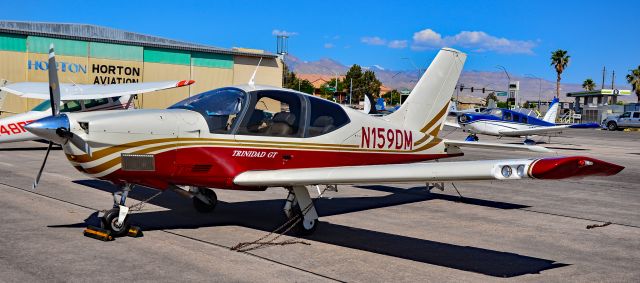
588	85
559	60
634	80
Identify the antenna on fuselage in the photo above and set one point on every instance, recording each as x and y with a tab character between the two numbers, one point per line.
252	81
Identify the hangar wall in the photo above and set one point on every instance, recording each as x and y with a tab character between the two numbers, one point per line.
24	58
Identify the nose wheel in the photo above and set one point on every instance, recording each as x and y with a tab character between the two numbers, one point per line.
110	222
204	200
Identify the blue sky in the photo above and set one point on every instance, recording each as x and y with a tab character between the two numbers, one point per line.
516	34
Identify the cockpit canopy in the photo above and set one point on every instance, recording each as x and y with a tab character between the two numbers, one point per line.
219	107
267	112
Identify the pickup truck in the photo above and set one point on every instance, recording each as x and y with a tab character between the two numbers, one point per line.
629	119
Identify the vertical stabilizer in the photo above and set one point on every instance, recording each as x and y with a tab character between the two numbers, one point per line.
552	113
428	103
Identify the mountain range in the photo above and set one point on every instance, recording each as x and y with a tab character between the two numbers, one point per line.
530	88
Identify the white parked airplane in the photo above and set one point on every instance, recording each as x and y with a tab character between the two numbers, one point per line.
75	98
510	123
222	139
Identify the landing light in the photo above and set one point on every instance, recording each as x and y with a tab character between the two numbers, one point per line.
583	163
506	171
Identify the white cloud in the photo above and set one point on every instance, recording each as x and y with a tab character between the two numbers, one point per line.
283	32
328	45
479	41
373	40
399	44
426	38
378	67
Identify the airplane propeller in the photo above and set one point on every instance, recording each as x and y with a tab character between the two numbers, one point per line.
56	127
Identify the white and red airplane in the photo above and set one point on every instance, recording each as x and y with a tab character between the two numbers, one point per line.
75	98
252	137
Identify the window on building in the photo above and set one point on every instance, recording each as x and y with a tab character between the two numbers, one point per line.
219	107
325	117
275	113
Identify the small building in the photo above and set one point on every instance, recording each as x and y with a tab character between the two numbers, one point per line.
594	106
470	102
88	54
594	98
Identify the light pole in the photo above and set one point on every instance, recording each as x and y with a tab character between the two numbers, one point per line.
539	87
508	78
414	65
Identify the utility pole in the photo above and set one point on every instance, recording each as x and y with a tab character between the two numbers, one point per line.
282	50
604	71
350	89
613	79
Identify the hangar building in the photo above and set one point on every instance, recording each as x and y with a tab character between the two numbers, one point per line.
88	54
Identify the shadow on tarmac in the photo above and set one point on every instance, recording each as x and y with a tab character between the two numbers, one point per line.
266	215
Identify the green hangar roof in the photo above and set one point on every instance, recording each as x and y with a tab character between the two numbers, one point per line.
95	33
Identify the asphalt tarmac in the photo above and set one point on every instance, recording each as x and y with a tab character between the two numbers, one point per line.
526	231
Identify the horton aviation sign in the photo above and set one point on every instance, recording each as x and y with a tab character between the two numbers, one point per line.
101	73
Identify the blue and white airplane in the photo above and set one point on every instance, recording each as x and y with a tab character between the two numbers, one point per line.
509	123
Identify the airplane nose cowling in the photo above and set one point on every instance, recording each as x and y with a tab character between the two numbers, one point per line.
53	128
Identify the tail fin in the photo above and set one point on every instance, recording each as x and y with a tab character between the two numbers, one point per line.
552	113
369	108
426	108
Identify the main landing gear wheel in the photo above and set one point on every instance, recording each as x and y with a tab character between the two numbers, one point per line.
110	222
205	200
297	201
303	227
529	142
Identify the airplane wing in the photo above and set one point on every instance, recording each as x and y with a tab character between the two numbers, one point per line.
549	130
535	148
508	169
87	91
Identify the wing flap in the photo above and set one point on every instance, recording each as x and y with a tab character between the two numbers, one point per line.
88	91
546	168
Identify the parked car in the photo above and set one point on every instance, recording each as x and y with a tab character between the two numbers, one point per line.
629	119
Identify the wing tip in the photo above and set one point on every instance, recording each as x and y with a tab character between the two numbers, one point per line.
572	167
185	83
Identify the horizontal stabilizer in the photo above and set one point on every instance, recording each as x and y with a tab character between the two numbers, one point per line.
585	126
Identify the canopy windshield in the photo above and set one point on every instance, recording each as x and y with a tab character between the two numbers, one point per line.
219	107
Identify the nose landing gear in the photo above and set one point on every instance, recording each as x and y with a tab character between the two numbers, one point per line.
204	200
114	222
